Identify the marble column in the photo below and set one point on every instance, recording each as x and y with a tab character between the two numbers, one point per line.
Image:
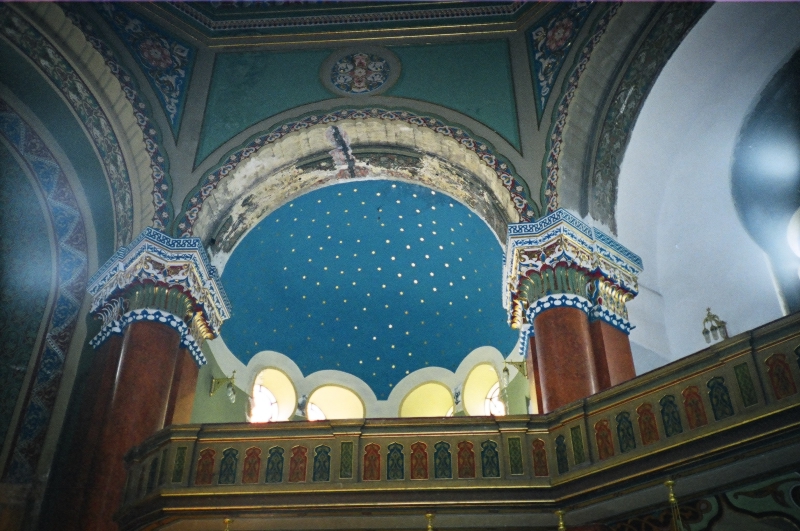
566	288
163	298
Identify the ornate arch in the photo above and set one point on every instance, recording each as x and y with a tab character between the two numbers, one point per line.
71	279
285	146
78	73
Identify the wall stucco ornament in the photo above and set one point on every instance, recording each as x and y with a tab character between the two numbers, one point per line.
361	71
192	299
560	261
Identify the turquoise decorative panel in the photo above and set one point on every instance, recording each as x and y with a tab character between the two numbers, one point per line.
471	78
227	467
395	462
249	87
442	461
627	439
577	445
490	460
720	398
24	282
275	465
746	387
322	464
561	455
670	415
515	456
346	463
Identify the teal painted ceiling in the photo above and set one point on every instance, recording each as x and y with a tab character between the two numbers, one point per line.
374	278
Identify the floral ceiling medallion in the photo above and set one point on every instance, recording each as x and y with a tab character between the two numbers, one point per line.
360	71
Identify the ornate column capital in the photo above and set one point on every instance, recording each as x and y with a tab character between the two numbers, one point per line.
560	261
160	279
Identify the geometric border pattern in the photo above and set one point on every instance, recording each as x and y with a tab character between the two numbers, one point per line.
523	204
73	272
118	327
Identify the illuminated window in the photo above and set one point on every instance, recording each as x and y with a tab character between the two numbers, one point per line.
313	412
265	405
493	405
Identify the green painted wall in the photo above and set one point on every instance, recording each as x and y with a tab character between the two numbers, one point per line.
471	78
30	87
249	87
218	408
25	277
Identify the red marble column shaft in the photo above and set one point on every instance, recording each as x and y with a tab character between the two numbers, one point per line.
181	396
564	357
613	356
137	410
97	391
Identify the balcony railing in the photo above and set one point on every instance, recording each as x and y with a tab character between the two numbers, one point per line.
727	404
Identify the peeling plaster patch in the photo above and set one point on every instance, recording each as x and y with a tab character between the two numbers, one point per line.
271	193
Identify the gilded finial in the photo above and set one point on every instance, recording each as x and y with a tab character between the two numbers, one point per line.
429	518
561	525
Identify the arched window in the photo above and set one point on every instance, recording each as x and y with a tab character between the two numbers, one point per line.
431	399
265	405
313	412
273	397
493	405
334	402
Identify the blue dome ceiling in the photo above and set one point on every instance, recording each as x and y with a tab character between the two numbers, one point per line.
374	278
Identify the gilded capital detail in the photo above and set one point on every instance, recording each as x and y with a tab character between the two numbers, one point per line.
160	279
560	261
